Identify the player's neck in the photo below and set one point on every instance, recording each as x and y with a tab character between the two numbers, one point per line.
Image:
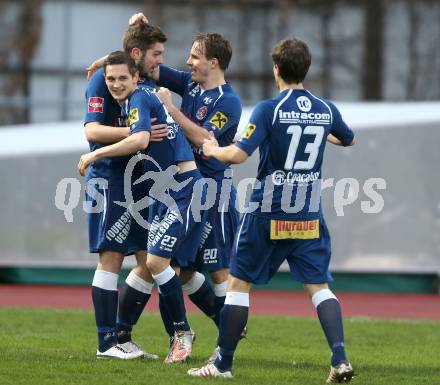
282	86
213	81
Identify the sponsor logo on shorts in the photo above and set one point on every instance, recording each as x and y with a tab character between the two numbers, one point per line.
96	104
120	230
218	120
158	230
294	229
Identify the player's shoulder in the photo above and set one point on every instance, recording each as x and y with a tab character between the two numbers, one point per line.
97	82
226	96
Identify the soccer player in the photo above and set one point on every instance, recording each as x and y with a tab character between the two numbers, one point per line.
172	227
209	105
290	131
112	232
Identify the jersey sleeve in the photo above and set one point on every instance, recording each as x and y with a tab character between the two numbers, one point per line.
97	99
339	128
224	116
173	79
139	112
257	130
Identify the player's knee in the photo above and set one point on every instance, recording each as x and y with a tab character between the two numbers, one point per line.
186	275
110	261
219	276
157	264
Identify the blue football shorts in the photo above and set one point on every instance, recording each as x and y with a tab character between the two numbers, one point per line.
112	227
262	245
218	235
175	233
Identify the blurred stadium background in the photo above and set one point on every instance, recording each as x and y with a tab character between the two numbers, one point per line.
379	60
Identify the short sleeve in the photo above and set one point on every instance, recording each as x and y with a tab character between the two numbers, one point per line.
139	112
97	99
224	116
256	131
339	128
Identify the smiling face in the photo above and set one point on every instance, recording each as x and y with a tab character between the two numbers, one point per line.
150	60
199	65
120	82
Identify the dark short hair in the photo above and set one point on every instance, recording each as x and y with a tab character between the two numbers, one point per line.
215	46
293	59
142	36
120	57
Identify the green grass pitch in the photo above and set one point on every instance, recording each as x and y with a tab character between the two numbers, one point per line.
47	346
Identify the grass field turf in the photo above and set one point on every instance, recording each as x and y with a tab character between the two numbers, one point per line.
48	346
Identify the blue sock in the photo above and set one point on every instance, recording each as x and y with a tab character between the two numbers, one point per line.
219	302
200	292
132	302
329	313
105	303
166	317
171	290
233	318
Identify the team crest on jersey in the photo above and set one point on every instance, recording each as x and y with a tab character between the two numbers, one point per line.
294	229
249	130
218	120
133	116
304	103
96	104
201	113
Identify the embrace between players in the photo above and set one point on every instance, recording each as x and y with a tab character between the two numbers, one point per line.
175	149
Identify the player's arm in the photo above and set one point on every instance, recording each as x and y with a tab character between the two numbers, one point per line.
334	140
340	133
229	154
99	133
194	133
130	145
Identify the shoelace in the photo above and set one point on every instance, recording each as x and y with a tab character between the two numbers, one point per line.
121	349
181	339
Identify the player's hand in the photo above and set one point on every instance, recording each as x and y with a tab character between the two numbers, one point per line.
85	161
158	131
95	66
138	18
210	145
165	96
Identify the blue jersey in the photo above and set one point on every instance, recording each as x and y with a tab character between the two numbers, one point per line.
217	110
103	109
290	131
139	108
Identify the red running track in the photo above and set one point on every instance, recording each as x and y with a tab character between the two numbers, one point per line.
410	306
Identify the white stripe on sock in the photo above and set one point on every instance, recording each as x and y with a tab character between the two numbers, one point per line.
164	276
194	283
220	289
321	296
237	298
139	284
105	280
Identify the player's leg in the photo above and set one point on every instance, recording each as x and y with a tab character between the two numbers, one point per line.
200	292
167	321
105	302
250	263
132	301
171	291
219	279
310	266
